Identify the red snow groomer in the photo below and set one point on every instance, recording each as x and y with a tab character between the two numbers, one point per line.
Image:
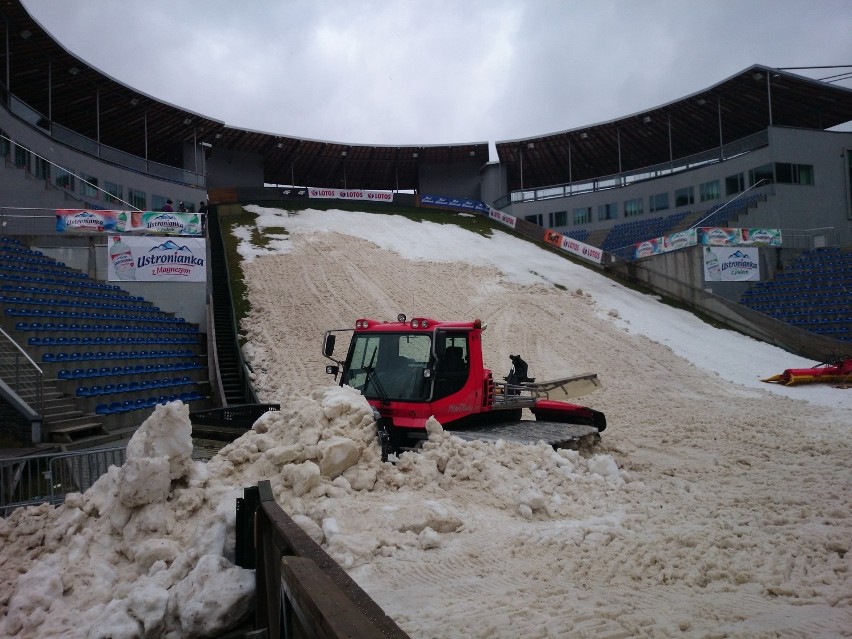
409	370
839	372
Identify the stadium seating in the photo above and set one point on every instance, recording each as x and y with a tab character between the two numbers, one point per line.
814	293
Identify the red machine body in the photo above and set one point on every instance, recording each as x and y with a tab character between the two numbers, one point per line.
839	372
411	370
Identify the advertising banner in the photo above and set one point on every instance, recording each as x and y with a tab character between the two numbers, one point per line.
648	247
553	238
503	218
293	193
769	237
718	236
85	221
455	203
666	243
161	223
680	240
156	259
578	248
731	264
350	194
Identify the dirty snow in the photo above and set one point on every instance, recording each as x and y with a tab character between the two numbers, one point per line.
715	505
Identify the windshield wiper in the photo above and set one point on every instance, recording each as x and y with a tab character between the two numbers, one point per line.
373	376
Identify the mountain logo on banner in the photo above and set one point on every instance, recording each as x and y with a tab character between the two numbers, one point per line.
165	221
169	253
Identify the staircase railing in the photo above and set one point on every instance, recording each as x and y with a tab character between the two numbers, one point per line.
23	382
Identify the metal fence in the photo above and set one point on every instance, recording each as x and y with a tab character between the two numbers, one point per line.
38	479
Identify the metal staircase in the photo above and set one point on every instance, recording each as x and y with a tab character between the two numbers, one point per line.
236	387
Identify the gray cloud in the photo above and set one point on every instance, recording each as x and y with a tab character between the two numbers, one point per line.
443	71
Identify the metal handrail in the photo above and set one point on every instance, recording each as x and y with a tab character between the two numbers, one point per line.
716	210
21	373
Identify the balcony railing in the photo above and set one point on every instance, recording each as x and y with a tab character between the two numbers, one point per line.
626	178
94	148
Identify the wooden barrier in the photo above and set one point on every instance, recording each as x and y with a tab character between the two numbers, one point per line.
301	590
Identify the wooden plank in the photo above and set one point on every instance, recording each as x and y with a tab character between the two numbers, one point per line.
322	609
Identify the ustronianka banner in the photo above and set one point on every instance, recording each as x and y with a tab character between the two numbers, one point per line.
85	221
731	264
156	259
666	243
161	223
351	194
718	236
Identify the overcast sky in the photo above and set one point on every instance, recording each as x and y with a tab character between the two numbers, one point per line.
439	71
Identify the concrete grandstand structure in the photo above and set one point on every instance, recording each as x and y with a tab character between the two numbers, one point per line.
755	150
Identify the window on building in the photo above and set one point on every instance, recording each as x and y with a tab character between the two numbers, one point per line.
158	202
5	144
535	219
558	218
23	158
794	173
42	169
64	179
608	211
137	199
583	215
734	184
89	186
849	182
709	191
634	207
658	202
114	192
761	173
685	197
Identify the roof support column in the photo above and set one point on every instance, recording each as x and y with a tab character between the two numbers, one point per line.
145	125
522	172
570	174
671	154
618	139
721	139
98	117
769	95
8	70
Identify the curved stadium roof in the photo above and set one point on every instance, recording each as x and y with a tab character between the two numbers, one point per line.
71	95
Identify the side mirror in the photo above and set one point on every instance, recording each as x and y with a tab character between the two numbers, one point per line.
328	345
331	369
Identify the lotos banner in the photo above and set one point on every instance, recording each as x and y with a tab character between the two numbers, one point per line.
350	194
156	259
503	218
578	248
161	223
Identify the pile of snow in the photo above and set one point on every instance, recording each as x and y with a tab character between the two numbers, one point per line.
144	552
148	549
